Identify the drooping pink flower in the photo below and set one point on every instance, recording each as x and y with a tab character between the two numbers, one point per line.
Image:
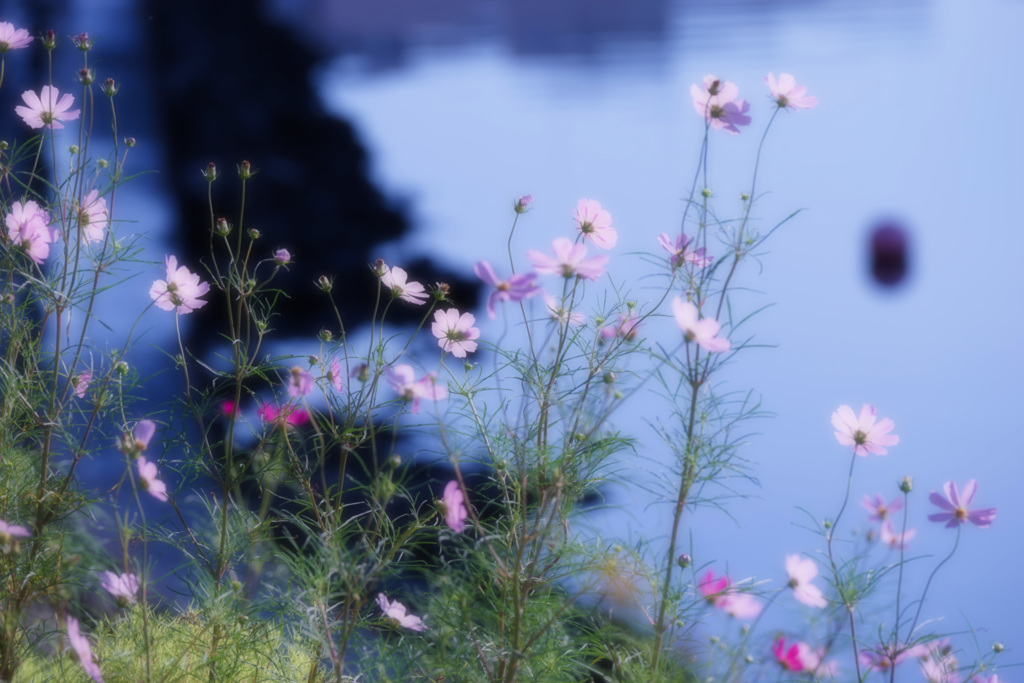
282	257
402	379
703	331
569	260
626	328
124	587
396	612
181	290
862	432
955	505
892	539
455	332
516	288
28	227
80	383
397	281
801	572
717	103
300	382
83	651
878	508
561	313
453	503
291	415
791	658
92	217
595	224
679	254
12	38
148	479
45	109
335	375
787	93
9	535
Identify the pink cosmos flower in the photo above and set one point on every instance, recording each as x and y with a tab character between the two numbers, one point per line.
955	505
12	38
717	103
291	415
300	382
595	224
28	227
45	109
938	663
123	587
396	280
523	202
680	254
878	508
402	379
80	383
92	217
627	328
569	260
282	257
862	432
229	409
335	374
395	611
801	572
9	535
82	651
181	290
516	288
148	479
787	93
893	539
792	658
991	679
720	593
453	503
143	434
559	312
455	332
697	329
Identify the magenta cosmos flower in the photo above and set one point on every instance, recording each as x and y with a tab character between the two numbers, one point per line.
787	93
455	332
395	611
862	432
453	503
878	508
679	254
595	224
516	288
720	593
45	109
289	415
402	379
181	290
955	505
794	658
148	479
892	539
12	38
124	587
801	572
717	103
569	260
703	331
82	651
397	281
92	217
28	227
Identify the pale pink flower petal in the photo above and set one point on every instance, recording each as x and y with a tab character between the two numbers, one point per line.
787	93
559	312
516	288
45	109
455	332
717	103
878	508
398	282
148	479
801	572
402	379
28	228
12	38
680	254
300	382
335	374
892	539
453	502
83	651
396	612
569	260
627	327
80	383
181	290
595	224
703	331
124	587
863	433
92	217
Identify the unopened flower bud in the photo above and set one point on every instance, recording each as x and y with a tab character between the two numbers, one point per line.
73	149
222	227
395	461
749	659
441	290
362	372
609	378
86	76
683	561
82	42
827	524
254	234
705	193
324	283
326	336
9	299
102	163
282	257
3	145
110	87
313	360
379	267
906	485
121	368
129	142
523	202
467	366
49	40
715	86
245	170
744	196
210	172
998	647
